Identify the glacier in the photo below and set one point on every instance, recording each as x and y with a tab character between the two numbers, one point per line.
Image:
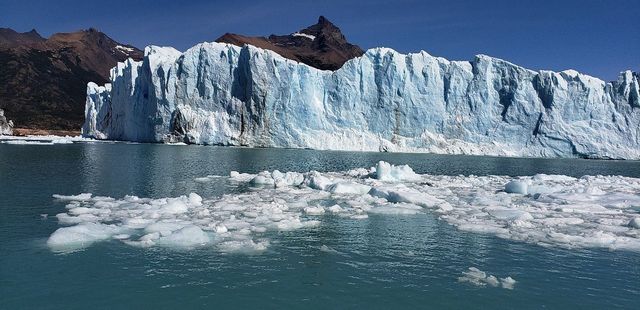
221	94
6	126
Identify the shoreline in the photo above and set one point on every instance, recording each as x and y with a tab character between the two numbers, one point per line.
23	132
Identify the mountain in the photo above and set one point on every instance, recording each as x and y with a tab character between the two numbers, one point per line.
321	46
221	94
43	81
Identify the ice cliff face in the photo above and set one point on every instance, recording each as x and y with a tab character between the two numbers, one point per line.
222	94
6	126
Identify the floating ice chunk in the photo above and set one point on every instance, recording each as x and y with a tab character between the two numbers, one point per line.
509	214
314	210
79	210
553	177
316	180
634	222
263	178
187	237
474	276
195	199
414	196
478	277
335	209
80	236
508	283
164	228
348	188
202	180
287	179
207	179
492	280
390	173
516	187
243	246
175	206
133	222
240	177
66	219
398	209
360	216
79	197
150	237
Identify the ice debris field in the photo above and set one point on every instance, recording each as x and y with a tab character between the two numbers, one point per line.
44	140
547	210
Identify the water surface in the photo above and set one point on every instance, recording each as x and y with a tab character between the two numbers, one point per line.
381	262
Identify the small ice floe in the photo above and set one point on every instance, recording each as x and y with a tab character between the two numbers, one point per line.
507	283
516	187
314	210
207	179
390	173
478	277
328	249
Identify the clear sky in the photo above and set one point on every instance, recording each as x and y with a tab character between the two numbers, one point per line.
597	37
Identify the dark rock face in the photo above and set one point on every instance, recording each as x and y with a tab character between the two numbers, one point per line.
43	81
322	45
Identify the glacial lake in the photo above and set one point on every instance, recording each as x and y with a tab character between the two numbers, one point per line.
381	261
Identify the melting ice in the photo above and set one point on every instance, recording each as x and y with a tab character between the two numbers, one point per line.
478	277
547	210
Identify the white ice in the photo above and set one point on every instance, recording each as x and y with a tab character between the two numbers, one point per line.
559	211
304	35
478	277
43	140
124	49
222	94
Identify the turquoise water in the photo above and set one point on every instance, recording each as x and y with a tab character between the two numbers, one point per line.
382	262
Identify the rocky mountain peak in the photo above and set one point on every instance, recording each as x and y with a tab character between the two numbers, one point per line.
43	81
321	45
12	38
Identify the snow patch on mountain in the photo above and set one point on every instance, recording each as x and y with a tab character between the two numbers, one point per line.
308	36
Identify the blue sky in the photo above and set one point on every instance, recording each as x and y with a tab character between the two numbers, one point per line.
597	37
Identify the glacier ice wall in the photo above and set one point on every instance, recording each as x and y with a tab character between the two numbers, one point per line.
6	126
222	94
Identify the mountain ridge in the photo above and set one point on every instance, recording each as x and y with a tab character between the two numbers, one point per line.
322	45
43	80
